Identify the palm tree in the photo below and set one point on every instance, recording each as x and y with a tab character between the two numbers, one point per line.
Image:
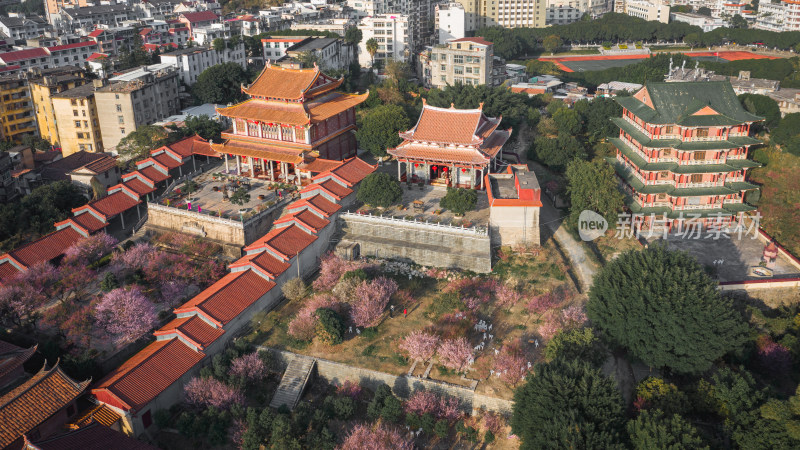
372	48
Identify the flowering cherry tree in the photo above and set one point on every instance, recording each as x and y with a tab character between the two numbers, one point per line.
455	353
506	296
202	392
376	437
350	389
331	269
574	315
125	314
552	323
510	364
420	345
249	367
371	298
304	324
542	303
90	249
774	358
439	406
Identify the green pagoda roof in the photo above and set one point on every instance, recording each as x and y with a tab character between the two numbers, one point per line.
638	136
637	185
732	165
675	103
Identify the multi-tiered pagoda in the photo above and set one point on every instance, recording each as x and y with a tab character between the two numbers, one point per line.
682	153
293	122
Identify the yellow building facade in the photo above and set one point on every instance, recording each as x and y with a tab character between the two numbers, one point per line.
77	121
17	119
43	88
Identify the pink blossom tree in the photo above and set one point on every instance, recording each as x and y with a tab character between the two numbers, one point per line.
439	406
773	358
506	296
574	315
137	257
350	389
540	304
18	305
331	269
249	368
376	437
304	324
511	364
90	249
420	345
125	314
202	392
455	353
371	298
552	323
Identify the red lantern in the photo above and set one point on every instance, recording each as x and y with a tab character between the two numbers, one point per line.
444	169
463	170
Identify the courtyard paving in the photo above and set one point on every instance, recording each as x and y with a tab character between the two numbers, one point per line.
211	201
729	255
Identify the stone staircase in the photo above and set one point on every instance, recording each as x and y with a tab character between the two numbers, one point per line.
293	383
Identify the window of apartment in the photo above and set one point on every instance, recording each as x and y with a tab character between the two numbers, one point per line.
116	96
444	78
75	112
79	135
85	124
699	155
468	69
458	59
122	131
73	102
476	71
89	148
121	119
443	68
702	132
119	107
83	112
82	147
77	124
458	70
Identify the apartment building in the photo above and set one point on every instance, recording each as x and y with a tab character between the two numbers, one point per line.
698	20
467	61
20	28
53	6
198	19
47	57
330	53
505	13
139	97
77	119
191	62
419	15
392	34
89	17
16	109
7	191
450	22
44	85
562	12
783	16
276	47
644	9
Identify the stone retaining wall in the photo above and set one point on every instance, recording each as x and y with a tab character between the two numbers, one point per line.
423	243
402	385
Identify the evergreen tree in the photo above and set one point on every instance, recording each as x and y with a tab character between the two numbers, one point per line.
662	307
653	430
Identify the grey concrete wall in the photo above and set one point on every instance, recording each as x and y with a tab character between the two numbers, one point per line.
402	386
513	225
419	242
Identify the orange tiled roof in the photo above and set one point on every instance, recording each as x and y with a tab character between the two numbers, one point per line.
11	357
307	218
192	145
148	373
448	126
286	242
31	403
100	165
331	187
193	329
138	186
151	173
86	222
318	203
101	414
46	248
290	84
410	150
258	150
317	165
265	263
351	171
91	437
8	271
114	204
228	297
272	111
167	161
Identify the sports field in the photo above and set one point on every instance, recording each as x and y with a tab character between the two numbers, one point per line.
599	62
